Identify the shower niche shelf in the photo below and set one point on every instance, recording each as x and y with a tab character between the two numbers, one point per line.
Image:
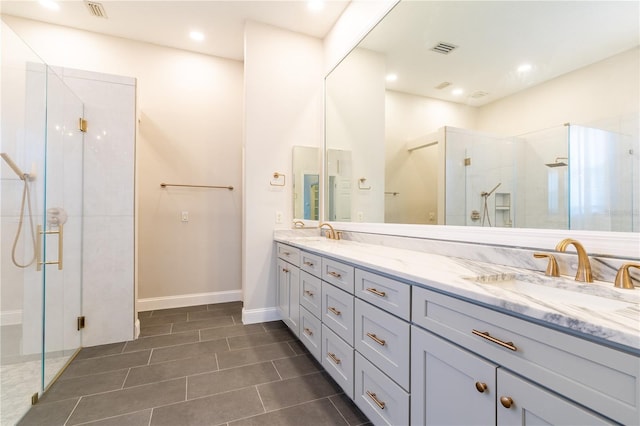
503	210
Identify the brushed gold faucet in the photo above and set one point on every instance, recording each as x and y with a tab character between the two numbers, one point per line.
623	279
330	233
584	267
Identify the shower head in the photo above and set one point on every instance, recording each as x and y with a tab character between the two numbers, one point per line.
13	165
558	163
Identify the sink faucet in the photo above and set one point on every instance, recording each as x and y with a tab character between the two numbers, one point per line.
623	278
584	267
330	233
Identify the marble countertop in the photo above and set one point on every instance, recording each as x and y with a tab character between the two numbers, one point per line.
597	310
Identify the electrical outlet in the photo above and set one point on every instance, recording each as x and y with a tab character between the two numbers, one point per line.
360	216
279	217
184	216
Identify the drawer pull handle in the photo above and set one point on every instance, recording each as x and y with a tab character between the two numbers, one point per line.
285	270
308	293
376	339
506	401
334	274
286	253
334	310
308	331
376	400
486	335
377	292
481	387
334	358
309	264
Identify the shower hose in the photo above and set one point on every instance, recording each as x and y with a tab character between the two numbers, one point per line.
26	199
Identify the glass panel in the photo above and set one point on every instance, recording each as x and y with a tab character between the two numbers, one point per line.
22	142
63	225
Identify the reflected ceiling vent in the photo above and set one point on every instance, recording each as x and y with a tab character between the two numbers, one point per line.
478	94
443	85
96	9
444	48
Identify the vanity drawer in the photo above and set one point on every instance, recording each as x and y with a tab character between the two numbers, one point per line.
379	398
310	333
338	274
337	359
337	311
384	340
391	295
288	253
311	293
311	263
596	376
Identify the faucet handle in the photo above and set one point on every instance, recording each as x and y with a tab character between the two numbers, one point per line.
552	266
623	278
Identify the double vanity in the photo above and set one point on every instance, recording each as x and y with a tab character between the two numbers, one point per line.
420	338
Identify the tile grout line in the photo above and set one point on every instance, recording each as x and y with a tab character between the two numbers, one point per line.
125	378
72	411
276	368
338	410
264	409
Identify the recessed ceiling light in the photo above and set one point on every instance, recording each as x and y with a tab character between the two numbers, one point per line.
392	77
315	5
196	35
457	92
525	68
49	4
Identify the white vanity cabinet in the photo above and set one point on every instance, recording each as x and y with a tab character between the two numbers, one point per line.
579	380
410	354
288	289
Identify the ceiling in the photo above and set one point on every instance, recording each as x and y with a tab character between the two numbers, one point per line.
493	39
168	23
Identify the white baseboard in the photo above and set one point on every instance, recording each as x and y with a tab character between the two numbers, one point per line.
253	316
11	317
179	301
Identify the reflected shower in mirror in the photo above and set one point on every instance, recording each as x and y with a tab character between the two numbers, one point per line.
306	182
443	100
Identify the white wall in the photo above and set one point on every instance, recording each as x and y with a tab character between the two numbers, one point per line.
606	90
190	131
283	108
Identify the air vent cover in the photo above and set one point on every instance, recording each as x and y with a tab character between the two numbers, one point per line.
478	94
443	85
444	48
96	9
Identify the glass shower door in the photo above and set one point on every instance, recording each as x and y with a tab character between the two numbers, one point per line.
61	228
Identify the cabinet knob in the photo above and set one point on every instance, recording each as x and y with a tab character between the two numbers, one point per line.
285	270
481	387
506	401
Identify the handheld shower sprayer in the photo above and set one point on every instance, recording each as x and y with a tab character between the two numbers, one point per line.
13	166
26	199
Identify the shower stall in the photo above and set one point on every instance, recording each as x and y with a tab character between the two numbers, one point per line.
41	197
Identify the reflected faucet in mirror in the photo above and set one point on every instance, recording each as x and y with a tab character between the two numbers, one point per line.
584	267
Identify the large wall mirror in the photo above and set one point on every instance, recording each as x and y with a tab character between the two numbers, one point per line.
496	114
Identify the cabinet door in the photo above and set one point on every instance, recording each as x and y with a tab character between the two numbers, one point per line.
523	403
284	270
449	386
288	295
294	301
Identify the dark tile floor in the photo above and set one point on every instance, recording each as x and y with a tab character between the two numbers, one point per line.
197	365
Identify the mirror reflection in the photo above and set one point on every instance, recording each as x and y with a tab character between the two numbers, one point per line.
507	114
306	183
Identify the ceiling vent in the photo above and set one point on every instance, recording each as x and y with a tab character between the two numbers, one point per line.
443	85
444	48
478	94
96	9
